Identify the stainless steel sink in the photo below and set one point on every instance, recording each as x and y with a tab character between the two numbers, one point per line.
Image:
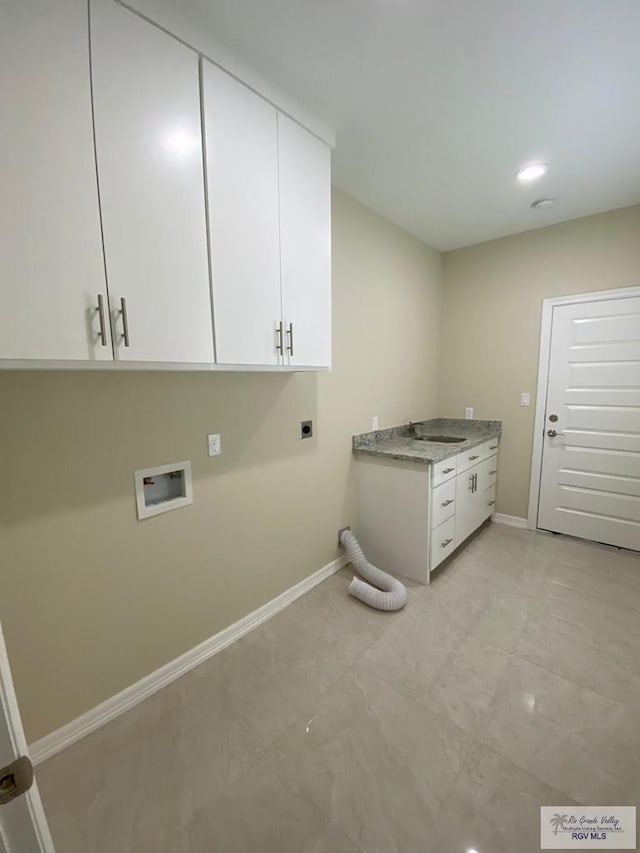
440	439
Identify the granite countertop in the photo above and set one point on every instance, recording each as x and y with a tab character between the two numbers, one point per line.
398	443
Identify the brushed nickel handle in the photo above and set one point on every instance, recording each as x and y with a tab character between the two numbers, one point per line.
446	503
495	471
448	470
491	503
552	433
103	329
493	447
471	458
125	321
290	334
280	333
471	479
445	543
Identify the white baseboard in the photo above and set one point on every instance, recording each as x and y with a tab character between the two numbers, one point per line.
511	520
130	696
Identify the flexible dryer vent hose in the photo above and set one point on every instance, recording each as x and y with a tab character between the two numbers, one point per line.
382	592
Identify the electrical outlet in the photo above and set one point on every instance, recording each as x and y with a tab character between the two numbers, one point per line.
374	422
468	413
306	429
525	399
215	444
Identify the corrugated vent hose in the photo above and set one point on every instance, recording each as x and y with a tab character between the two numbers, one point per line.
382	592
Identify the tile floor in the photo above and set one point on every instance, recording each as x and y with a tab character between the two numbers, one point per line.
513	681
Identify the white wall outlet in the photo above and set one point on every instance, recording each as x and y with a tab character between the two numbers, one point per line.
468	413
215	444
525	399
374	422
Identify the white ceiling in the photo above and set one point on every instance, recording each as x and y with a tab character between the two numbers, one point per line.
436	103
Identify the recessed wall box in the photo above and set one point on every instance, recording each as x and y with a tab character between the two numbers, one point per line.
163	488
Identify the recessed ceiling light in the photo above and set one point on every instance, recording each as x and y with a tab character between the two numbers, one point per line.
531	172
543	203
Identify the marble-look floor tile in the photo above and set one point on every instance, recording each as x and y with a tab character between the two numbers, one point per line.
118	789
377	762
570	650
572	738
262	814
463	687
512	680
494	806
596	581
502	620
411	652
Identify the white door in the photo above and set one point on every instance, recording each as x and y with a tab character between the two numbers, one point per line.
146	93
23	825
305	243
241	150
51	263
590	481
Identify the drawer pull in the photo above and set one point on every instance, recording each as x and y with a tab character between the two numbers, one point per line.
495	471
471	458
446	542
446	503
491	503
448	470
493	447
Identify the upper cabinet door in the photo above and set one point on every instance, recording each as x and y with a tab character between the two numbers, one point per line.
51	262
305	243
241	149
149	153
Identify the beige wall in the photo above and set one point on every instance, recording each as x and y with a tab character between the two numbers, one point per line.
91	599
491	322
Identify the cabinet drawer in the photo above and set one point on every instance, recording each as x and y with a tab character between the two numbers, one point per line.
487	473
488	502
470	457
443	471
490	448
442	542
444	502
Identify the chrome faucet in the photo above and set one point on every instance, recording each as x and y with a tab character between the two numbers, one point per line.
411	429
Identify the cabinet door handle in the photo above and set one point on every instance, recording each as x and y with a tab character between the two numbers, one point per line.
125	321
471	458
475	483
280	344
103	329
491	503
290	333
445	543
495	471
446	503
448	470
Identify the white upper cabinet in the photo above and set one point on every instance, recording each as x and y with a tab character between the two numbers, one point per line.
241	150
149	153
305	244
51	263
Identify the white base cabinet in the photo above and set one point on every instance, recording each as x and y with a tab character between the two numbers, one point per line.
411	518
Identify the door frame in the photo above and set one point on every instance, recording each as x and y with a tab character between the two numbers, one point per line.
544	353
35	821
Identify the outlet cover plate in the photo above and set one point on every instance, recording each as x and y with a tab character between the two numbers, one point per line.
306	429
214	443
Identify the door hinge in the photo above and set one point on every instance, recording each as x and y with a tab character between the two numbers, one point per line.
15	779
